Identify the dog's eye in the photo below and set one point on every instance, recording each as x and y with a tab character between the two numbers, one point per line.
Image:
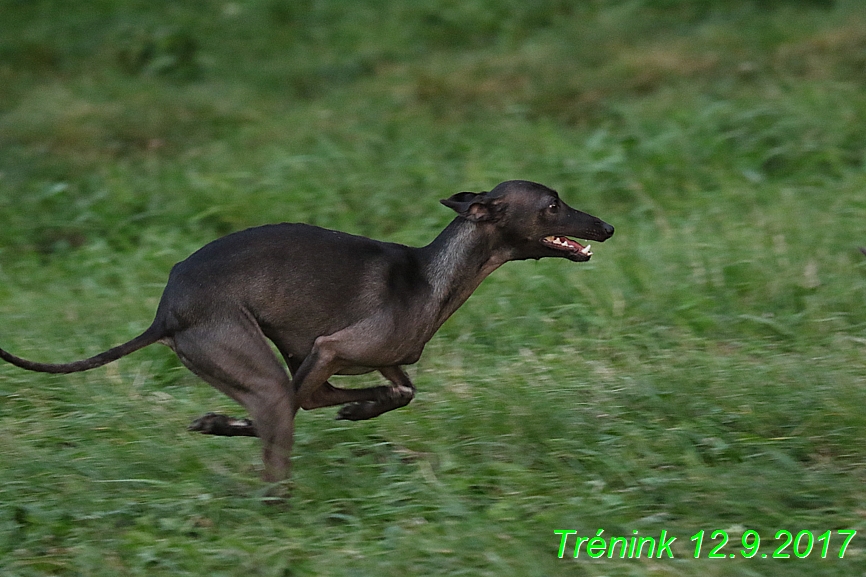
553	207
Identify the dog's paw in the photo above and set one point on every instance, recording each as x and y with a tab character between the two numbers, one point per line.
223	425
358	411
206	424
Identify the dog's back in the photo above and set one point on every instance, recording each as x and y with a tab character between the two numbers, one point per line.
315	280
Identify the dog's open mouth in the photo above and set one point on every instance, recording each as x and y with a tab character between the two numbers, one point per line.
574	249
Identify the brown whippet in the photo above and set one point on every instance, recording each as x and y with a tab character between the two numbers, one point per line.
334	303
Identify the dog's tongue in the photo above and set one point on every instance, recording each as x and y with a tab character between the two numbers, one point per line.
572	245
565	241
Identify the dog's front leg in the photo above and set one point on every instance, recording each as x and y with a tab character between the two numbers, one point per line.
399	394
314	372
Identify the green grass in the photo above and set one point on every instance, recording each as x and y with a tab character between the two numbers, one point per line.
706	370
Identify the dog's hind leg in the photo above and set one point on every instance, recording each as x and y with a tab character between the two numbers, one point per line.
223	426
234	356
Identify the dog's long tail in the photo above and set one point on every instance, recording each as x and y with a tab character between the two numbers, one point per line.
148	337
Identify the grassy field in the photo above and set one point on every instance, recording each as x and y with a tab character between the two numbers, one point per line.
705	371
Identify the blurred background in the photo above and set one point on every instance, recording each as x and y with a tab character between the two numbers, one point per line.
704	371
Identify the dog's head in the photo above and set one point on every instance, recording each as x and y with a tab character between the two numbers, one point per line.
531	220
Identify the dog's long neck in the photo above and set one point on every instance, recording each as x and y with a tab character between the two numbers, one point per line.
455	264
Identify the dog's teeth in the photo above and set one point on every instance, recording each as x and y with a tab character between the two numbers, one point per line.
586	250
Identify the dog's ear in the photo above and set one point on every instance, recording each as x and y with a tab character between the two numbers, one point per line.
473	206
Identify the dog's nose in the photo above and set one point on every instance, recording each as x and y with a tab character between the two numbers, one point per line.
608	229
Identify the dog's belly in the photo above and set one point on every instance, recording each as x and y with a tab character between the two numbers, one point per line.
355	371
